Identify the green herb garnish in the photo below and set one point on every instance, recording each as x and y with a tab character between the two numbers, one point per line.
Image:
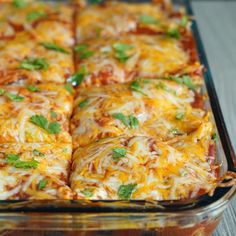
41	121
183	21
121	51
14	97
78	77
88	192
35	15
129	121
82	50
135	85
214	137
180	116
118	152
125	191
54	47
173	33
42	184
14	160
34	64
38	153
2	91
69	88
32	88
83	103
53	114
19	3
146	19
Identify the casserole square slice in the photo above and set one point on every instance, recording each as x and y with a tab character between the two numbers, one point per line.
35	113
161	108
142	168
119	60
34	171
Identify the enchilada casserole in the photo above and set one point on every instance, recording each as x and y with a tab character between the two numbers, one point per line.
102	102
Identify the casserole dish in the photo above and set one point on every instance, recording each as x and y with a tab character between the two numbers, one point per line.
195	217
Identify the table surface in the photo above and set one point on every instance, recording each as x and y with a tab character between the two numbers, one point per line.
216	21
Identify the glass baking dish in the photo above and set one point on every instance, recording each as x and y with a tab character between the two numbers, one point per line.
194	217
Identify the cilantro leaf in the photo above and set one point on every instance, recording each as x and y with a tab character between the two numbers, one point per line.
180	116
129	121
214	137
33	164
183	21
82	50
38	153
34	64
32	88
88	192
146	19
53	114
121	51
95	1
35	15
173	33
54	128
11	158
118	152
83	103
188	82
133	122
2	91
135	85
42	184
78	77
14	97
54	47
14	160
41	121
121	117
19	3
125	191
69	88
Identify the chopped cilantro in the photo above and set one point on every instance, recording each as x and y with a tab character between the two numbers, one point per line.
69	88
78	77
32	88
173	33
14	160
35	15
41	121
42	184
14	97
180	116
82	50
183	21
2	91
38	153
83	103
54	47
135	85
34	64
129	121
88	192
53	114
121	51
125	191
19	3
146	19
214	137
118	152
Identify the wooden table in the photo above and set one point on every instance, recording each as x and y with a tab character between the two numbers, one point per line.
217	24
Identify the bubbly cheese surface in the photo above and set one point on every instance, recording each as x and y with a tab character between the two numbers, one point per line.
149	169
146	56
46	178
162	109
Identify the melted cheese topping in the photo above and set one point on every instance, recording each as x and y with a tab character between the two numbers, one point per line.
115	18
13	52
151	56
55	16
156	109
53	166
15	125
158	170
